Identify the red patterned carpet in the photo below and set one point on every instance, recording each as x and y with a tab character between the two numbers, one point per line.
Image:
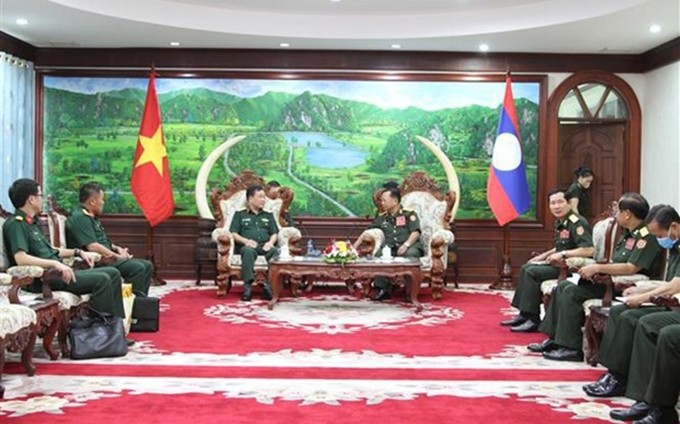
327	356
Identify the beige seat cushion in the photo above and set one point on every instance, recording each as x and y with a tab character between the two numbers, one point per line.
548	286
15	317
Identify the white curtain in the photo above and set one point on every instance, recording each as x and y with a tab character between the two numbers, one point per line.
17	112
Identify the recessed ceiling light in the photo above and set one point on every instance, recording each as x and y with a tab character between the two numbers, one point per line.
396	46
21	21
174	43
655	28
284	45
336	1
483	47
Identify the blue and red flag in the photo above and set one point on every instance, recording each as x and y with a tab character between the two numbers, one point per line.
507	190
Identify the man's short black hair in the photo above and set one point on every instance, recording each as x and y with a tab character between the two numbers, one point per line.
664	215
391	184
251	190
88	190
559	190
394	193
273	183
20	190
634	203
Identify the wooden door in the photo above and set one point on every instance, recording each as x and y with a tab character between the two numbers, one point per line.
600	147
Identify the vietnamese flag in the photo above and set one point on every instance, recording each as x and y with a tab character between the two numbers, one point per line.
507	190
150	181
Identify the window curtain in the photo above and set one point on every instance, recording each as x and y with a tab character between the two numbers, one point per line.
17	112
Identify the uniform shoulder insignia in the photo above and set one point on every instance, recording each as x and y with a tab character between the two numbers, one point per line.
19	218
413	217
641	244
644	232
407	210
573	218
580	230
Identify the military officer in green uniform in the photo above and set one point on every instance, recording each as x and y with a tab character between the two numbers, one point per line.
653	380
636	252
401	228
573	238
26	245
84	230
616	350
255	232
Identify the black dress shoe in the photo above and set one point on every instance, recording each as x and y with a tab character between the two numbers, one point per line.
637	411
267	292
604	378
528	326
545	346
382	294
517	320
129	342
564	354
246	297
609	387
666	415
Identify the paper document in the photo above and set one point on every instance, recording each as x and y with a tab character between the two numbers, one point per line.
623	299
575	278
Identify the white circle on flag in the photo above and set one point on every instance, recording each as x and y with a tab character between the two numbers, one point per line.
507	154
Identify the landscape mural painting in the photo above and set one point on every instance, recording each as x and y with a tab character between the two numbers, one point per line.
332	141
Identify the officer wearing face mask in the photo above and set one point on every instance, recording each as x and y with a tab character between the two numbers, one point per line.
629	343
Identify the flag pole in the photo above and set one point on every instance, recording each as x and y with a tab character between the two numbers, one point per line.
155	279
505	280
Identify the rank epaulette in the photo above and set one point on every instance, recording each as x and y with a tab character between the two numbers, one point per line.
644	231
573	218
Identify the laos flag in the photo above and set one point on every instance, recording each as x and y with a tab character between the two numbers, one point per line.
506	190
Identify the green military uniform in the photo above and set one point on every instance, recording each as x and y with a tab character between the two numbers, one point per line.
84	228
565	317
655	362
23	233
259	227
397	228
575	190
571	233
617	343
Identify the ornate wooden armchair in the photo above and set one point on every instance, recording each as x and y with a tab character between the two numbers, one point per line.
605	233
225	204
419	192
44	306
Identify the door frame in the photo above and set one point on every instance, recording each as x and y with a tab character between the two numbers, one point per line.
633	135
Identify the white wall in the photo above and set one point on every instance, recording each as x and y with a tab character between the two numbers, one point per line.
661	135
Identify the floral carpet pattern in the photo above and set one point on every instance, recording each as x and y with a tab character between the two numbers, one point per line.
325	350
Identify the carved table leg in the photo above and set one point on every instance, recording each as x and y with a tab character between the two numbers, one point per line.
2	366
295	284
275	280
48	322
63	331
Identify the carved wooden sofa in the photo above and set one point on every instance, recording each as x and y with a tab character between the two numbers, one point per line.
225	204
17	330
420	193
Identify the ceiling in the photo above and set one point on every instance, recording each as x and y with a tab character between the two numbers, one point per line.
528	26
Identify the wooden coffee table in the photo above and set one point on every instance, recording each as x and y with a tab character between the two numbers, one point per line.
363	270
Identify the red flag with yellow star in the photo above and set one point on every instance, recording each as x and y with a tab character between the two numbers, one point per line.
150	171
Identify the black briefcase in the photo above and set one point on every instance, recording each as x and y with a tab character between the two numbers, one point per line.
145	313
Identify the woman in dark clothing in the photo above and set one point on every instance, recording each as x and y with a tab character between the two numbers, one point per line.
578	199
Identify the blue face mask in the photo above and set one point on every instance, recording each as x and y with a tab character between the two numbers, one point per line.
666	242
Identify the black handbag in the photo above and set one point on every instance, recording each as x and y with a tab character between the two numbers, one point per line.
98	335
145	314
